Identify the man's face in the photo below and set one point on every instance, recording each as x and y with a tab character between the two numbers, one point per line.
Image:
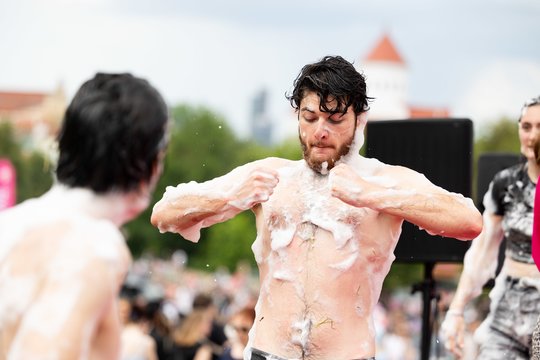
325	137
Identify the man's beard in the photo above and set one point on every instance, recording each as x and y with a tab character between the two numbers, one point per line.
322	167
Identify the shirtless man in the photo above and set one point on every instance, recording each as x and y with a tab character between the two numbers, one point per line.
62	256
327	225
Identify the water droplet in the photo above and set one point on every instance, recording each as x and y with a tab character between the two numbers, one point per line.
207	265
219	126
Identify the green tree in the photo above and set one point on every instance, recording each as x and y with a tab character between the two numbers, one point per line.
501	136
33	172
202	146
497	137
227	244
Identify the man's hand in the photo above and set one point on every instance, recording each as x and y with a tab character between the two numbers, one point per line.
347	185
256	187
452	331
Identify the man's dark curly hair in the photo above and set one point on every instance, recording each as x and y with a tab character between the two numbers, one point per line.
332	77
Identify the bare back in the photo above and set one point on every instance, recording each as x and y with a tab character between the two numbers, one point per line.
322	264
60	271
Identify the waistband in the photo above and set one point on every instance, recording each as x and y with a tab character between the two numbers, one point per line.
257	354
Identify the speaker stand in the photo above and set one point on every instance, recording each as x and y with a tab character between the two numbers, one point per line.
427	287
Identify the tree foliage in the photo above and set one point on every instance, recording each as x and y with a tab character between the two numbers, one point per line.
202	146
501	136
33	170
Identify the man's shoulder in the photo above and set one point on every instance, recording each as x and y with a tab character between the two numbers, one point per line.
389	174
102	240
274	162
92	250
376	167
88	242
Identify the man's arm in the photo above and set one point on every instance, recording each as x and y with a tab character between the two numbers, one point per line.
408	195
187	208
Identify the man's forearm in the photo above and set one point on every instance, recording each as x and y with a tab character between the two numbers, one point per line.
444	214
187	208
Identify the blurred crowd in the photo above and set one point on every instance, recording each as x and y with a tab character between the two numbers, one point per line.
174	313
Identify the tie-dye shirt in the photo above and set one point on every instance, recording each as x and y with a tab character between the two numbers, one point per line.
512	196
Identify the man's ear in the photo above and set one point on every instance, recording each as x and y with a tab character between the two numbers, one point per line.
361	120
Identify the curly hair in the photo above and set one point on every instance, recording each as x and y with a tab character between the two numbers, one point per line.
331	78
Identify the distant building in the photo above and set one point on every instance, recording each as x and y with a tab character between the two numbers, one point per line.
35	116
387	78
260	122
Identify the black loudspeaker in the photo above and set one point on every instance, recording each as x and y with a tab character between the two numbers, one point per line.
441	149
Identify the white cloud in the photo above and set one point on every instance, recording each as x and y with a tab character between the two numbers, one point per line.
499	90
220	54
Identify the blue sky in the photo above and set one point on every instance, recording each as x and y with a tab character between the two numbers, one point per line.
479	58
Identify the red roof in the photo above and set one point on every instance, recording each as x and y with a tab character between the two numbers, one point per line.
10	101
417	112
385	51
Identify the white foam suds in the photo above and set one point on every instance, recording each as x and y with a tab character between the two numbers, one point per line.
324	168
17	293
79	225
301	330
480	261
281	238
46	318
356	144
257	249
242	189
284	275
346	263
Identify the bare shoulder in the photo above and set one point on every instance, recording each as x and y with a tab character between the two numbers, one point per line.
274	162
390	175
400	171
105	241
93	244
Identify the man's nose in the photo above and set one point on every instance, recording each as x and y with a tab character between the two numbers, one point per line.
321	132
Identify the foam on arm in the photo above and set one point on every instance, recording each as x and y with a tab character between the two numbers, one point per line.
187	208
